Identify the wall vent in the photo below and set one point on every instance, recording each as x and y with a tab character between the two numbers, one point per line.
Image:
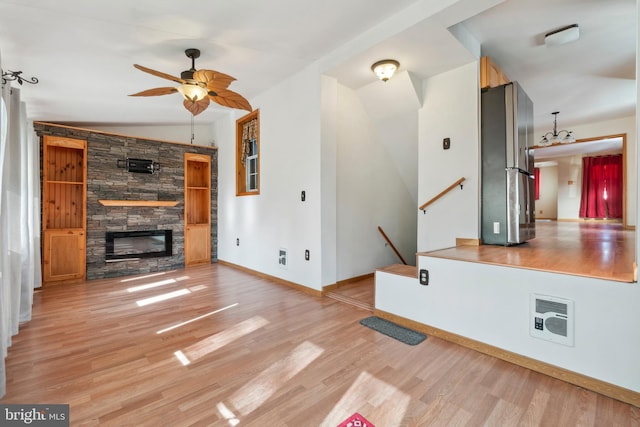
551	319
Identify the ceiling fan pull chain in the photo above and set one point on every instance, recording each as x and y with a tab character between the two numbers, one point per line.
192	131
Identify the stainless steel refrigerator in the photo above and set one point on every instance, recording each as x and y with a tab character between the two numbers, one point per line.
508	187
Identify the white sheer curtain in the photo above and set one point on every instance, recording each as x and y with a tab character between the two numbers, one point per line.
19	220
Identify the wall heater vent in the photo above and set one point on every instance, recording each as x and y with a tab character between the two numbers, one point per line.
552	319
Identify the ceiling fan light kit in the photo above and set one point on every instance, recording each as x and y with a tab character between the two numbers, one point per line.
198	87
563	35
192	91
385	69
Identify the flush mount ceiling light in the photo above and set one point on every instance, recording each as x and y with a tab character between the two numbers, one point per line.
562	35
552	138
384	69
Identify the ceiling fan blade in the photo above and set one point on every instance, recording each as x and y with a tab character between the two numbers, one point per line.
228	98
156	91
215	80
196	107
159	74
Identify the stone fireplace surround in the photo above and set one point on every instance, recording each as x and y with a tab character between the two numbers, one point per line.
105	180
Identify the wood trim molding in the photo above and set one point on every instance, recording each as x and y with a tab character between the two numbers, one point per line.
329	288
150	203
293	285
580	380
467	242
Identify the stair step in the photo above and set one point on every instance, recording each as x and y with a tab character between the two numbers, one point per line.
401	269
349	300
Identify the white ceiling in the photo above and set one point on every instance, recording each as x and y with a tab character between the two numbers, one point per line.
83	51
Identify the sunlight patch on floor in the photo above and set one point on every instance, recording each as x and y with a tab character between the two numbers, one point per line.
214	342
182	358
385	405
257	391
163	297
151	285
227	414
195	319
146	276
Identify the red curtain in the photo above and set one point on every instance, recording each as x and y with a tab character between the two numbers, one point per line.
536	177
601	187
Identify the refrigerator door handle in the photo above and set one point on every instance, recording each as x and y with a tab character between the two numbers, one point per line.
529	174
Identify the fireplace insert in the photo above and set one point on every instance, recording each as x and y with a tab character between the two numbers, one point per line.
131	245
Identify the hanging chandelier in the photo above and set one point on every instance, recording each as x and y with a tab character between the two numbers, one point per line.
555	137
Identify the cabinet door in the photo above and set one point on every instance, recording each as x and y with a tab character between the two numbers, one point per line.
197	242
64	255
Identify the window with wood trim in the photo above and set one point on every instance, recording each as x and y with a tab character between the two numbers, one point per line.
248	154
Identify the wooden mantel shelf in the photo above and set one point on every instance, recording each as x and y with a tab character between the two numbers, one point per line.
149	203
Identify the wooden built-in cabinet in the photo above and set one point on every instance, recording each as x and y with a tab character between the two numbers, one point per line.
197	209
490	74
64	195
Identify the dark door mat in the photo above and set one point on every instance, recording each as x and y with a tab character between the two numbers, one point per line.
405	335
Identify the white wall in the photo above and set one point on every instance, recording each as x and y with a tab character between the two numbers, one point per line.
491	304
290	162
371	192
451	102
569	195
328	179
351	186
547	204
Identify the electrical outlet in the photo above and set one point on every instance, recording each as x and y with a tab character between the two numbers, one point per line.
303	195
306	254
424	277
282	258
238	241
446	143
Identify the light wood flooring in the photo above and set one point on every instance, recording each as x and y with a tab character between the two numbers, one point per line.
590	249
216	346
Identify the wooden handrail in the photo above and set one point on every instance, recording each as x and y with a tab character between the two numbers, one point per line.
443	192
391	244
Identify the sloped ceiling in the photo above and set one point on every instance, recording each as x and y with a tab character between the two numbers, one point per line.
83	51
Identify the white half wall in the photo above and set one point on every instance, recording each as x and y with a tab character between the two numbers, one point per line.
451	102
491	304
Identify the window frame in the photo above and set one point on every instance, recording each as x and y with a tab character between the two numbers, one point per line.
242	169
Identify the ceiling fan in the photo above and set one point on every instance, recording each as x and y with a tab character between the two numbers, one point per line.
198	87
